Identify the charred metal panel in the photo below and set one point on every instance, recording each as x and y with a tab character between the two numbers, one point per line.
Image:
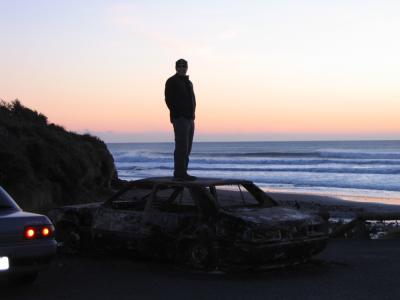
111	219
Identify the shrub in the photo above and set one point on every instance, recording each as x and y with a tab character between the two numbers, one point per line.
39	160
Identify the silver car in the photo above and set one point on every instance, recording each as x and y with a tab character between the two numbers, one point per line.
27	243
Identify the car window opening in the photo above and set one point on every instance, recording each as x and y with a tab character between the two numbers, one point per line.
131	199
173	200
205	201
237	195
180	197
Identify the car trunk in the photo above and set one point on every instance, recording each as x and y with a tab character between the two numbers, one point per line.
13	223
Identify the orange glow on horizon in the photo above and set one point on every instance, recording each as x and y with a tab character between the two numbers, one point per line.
332	69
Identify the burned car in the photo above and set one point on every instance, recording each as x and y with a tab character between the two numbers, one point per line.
204	224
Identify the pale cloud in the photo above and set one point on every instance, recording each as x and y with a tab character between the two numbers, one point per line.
138	19
135	19
230	34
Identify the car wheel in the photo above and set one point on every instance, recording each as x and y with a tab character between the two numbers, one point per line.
200	255
23	279
68	238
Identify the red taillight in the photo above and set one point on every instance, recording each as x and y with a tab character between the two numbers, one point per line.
37	232
30	233
45	231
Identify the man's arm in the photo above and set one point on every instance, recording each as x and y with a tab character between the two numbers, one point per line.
171	97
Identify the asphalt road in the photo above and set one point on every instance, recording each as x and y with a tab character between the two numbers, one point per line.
345	270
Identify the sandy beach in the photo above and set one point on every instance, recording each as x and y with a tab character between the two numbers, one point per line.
337	207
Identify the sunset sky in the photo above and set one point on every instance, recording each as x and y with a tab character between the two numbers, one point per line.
262	70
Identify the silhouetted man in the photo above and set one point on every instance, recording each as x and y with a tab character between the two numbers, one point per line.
181	102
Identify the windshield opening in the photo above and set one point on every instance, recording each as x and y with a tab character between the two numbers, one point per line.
235	195
133	198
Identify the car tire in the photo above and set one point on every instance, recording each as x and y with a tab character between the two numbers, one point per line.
200	255
22	279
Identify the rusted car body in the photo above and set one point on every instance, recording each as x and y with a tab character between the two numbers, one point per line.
204	224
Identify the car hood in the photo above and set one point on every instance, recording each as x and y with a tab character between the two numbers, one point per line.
271	216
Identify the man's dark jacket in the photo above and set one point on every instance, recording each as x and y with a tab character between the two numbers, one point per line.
180	98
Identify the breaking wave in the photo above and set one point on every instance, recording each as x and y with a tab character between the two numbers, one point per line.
357	165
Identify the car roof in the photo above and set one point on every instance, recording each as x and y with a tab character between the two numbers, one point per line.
200	181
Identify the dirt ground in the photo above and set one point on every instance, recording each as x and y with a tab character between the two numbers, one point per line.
347	269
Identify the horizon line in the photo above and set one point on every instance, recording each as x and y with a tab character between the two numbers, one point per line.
262	141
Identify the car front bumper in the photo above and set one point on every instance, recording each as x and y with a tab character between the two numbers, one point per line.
28	256
270	255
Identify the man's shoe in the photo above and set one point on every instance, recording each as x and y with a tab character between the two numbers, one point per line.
185	177
189	177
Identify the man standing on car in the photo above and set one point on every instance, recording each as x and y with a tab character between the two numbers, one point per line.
181	102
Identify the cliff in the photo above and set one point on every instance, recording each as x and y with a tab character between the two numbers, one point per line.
42	165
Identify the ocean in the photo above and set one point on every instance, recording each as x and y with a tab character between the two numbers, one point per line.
355	170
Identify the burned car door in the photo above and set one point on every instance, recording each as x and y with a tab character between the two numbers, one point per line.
171	211
117	222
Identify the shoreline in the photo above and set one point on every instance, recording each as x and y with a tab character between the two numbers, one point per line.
337	206
388	197
342	195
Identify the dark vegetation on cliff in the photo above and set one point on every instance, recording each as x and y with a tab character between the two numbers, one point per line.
42	165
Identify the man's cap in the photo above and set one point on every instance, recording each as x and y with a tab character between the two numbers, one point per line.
181	62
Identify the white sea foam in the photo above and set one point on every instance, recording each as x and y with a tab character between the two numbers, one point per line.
352	166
